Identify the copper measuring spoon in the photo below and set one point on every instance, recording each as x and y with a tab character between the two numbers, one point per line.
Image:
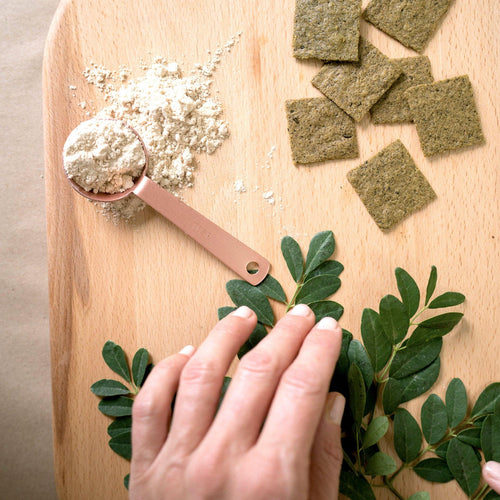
244	261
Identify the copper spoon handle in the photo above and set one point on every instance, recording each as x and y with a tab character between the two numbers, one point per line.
229	250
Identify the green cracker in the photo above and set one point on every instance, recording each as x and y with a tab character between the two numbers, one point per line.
411	22
393	106
319	130
356	87
327	29
445	115
391	186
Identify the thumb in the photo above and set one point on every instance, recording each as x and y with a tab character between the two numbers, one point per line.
326	454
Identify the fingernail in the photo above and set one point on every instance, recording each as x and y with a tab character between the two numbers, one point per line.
187	351
327	323
491	472
337	409
243	312
300	310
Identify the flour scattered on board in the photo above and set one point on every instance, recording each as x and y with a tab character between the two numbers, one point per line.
239	186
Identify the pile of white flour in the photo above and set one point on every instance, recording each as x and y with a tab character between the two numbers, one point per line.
103	156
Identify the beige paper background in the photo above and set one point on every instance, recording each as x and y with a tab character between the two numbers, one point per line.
26	463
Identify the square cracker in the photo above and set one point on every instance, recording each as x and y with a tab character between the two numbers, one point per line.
356	87
445	115
393	106
319	130
391	186
327	29
411	22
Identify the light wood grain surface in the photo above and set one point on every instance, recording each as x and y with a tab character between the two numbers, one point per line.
150	286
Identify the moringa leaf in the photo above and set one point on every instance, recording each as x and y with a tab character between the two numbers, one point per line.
398	391
376	341
271	288
126	481
434	419
413	359
122	445
222	312
115	358
407	436
118	406
139	364
437	326
317	289
380	464
394	318
448	299
343	362
431	284
355	486
357	394
408	289
225	386
256	336
375	431
325	308
106	387
358	355
434	469
464	465
120	425
442	449
490	438
421	495
487	400
492	495
471	436
331	267
244	294
456	402
293	257
321	248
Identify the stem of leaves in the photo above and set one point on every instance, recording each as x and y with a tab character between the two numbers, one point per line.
393	490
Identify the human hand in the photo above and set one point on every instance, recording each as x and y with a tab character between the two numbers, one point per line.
276	434
491	474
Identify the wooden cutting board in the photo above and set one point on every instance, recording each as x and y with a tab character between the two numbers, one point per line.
150	286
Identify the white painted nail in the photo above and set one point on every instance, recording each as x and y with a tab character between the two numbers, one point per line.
187	351
300	310
327	323
243	312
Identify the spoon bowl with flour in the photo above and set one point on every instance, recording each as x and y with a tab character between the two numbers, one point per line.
106	160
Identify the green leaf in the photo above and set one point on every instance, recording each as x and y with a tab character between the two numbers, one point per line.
434	419
293	257
116	406
448	299
331	267
255	337
139	364
456	402
317	289
244	294
496	410
434	469
375	431
343	362
407	436
394	318
377	343
492	495
398	391
126	481
122	445
408	289
222	312
421	495
326	308
413	359
490	438
437	326
442	449
358	355
271	288
464	465
487	400
471	436
355	486
431	284
380	464
357	394
321	248
106	387
225	385
115	358
120	425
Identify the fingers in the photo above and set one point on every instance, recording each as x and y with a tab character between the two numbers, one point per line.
152	409
253	386
297	406
326	455
491	474
201	381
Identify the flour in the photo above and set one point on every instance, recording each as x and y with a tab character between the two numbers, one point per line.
103	156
